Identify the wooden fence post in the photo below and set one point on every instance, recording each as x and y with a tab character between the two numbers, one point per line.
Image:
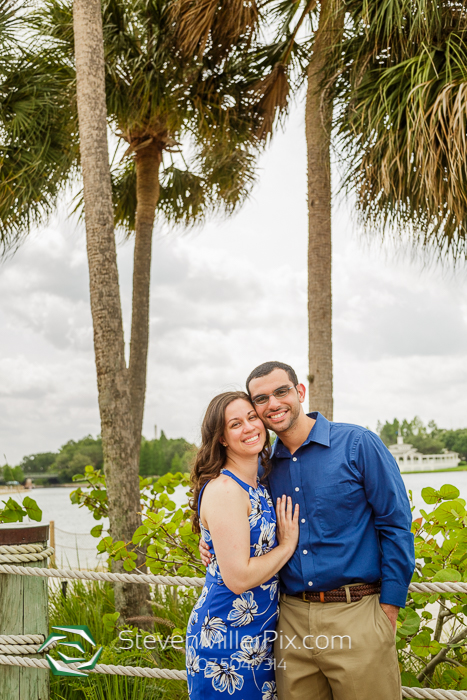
23	610
52	542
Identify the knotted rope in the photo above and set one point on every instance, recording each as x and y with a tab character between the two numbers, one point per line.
433	694
196	581
19	553
174	674
102	576
167	673
22	643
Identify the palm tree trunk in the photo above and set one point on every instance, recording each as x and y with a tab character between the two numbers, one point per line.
148	161
318	120
120	462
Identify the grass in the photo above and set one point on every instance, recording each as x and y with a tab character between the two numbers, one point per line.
86	603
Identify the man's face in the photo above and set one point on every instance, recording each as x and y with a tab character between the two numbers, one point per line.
277	414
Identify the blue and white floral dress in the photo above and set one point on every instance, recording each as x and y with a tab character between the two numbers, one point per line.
229	637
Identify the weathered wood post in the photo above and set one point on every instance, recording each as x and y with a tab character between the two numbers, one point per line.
23	610
52	541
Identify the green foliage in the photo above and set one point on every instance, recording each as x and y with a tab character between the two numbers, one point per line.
75	455
7	473
401	118
18	474
163	455
38	463
427	439
456	440
441	555
172	547
14	512
38	141
203	107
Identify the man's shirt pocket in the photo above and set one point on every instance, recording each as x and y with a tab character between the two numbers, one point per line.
334	506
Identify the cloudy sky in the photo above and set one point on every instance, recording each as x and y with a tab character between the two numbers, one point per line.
224	299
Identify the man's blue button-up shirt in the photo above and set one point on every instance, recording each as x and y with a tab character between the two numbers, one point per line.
355	516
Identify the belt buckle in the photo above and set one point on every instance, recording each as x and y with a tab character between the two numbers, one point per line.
304	596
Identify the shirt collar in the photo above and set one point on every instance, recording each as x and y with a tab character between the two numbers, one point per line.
320	433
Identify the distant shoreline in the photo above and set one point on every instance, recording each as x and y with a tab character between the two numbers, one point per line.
437	471
20	489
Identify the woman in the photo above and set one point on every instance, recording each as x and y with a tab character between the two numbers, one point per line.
231	627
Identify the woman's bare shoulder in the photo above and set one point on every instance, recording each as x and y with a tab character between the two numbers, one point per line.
222	485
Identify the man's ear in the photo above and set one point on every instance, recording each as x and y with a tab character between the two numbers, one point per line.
301	389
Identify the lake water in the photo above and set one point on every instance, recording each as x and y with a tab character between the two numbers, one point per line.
75	546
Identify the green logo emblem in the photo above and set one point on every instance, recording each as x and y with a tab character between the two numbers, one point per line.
60	668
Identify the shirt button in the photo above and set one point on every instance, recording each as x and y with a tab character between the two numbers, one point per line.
303	520
294	459
297	489
305	551
310	583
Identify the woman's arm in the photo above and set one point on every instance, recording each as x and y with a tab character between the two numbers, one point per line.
225	511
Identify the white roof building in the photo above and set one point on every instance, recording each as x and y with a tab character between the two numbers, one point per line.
410	460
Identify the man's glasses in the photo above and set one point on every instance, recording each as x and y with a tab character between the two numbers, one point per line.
278	393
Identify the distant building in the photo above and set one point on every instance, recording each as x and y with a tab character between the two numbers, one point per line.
410	460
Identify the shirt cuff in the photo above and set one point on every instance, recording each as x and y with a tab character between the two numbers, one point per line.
393	593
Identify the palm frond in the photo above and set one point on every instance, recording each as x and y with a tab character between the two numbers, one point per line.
221	23
184	198
39	141
402	120
273	98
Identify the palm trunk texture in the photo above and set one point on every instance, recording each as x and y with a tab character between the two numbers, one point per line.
318	121
148	161
120	461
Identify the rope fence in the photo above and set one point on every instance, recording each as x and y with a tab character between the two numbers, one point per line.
15	648
22	643
176	675
197	582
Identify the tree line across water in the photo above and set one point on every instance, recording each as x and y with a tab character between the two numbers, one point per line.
163	454
427	439
157	457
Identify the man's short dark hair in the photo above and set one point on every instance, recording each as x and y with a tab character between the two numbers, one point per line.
268	367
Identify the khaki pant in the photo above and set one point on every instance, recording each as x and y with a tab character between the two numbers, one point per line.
335	651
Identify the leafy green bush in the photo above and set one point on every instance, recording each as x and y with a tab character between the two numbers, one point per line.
15	512
430	641
172	547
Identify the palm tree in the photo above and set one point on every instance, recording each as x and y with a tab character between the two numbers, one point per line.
318	122
308	29
403	120
155	98
121	464
291	59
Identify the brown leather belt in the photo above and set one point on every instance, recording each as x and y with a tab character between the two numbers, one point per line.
345	594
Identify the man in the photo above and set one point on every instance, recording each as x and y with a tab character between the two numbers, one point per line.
342	589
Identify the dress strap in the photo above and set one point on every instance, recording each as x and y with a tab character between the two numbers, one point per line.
199	497
241	483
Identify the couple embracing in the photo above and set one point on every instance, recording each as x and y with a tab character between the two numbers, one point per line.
308	548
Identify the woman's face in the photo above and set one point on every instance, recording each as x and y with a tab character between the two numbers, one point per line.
244	432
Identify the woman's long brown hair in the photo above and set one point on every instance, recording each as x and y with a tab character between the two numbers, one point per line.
212	455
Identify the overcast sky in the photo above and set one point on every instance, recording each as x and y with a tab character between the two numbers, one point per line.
225	298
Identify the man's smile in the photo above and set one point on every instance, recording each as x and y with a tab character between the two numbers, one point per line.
277	416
